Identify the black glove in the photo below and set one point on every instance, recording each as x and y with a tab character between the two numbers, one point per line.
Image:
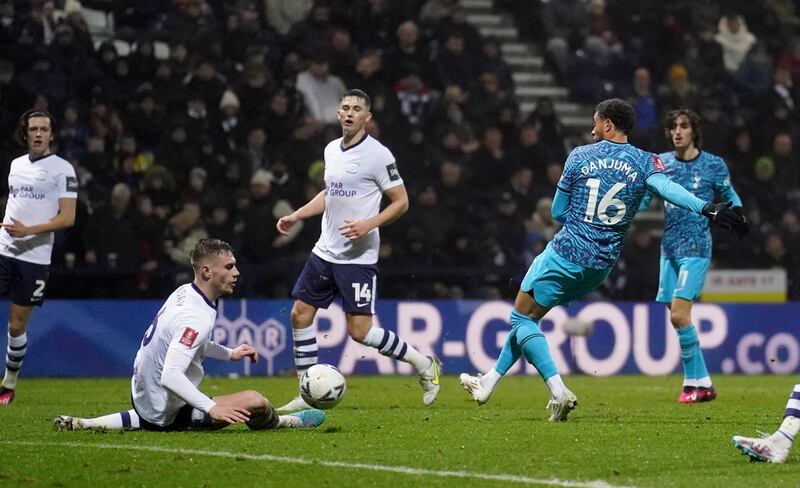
730	219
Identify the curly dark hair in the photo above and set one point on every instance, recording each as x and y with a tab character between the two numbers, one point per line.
619	112
22	126
670	121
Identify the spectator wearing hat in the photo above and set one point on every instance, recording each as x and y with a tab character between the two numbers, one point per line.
768	192
678	91
229	131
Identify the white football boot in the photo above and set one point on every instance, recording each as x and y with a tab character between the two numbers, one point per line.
429	380
473	385
766	448
561	407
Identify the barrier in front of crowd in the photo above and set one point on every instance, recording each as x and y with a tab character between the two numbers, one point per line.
86	338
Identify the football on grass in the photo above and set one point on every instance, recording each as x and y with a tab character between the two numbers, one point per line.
322	386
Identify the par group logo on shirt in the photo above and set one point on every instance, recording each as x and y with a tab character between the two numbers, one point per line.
24	191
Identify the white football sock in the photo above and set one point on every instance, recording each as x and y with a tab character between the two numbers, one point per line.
556	385
306	350
15	353
121	420
490	379
390	344
789	429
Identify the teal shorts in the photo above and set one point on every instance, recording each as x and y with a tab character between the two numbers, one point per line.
557	281
681	278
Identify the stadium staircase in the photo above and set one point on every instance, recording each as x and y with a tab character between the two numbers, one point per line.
531	76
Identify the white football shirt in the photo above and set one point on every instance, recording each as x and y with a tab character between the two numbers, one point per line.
355	179
182	326
34	188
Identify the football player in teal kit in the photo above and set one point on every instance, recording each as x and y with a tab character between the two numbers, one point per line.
596	199
686	245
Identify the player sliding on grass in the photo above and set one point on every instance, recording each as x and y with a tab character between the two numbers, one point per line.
168	367
596	199
686	246
775	447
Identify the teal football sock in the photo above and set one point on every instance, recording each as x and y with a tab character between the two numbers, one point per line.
531	340
694	365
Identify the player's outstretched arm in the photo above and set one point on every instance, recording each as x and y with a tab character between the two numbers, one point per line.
719	213
674	193
315	206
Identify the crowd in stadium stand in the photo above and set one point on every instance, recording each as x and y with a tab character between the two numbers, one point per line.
208	118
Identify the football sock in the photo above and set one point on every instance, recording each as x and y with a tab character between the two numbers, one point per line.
511	351
390	344
15	353
490	379
556	385
791	420
695	372
534	345
127	419
306	351
267	419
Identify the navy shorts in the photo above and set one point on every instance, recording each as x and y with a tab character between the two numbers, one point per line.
320	281
188	418
24	282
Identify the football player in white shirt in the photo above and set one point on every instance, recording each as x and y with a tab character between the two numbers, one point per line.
359	171
42	191
168	366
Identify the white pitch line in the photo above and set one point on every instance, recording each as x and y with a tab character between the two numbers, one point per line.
511	478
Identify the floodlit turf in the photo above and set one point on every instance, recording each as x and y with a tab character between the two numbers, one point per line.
627	431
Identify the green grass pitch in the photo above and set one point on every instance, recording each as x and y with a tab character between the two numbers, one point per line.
627	431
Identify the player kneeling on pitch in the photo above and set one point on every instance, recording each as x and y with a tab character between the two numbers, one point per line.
168	367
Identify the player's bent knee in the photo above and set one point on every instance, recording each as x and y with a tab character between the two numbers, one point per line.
302	314
254	400
679	321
